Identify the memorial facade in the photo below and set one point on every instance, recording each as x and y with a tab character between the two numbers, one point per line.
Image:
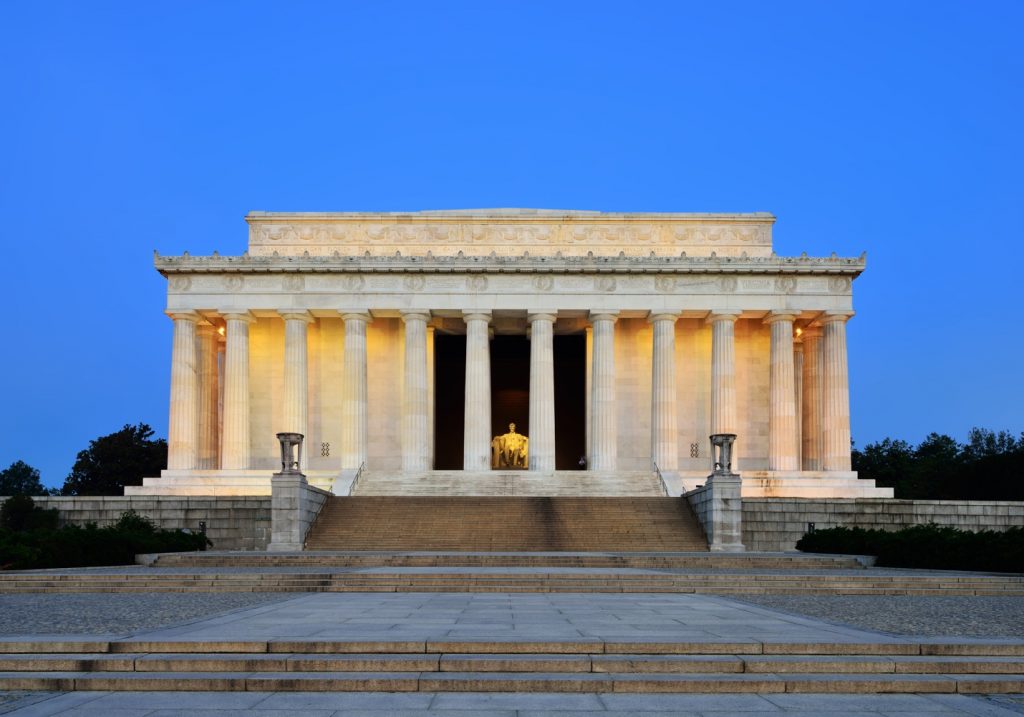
409	342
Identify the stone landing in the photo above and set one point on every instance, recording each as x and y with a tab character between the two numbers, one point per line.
580	484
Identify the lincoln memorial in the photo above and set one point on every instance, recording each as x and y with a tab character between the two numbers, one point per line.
404	346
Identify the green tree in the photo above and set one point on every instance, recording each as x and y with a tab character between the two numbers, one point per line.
114	461
20	478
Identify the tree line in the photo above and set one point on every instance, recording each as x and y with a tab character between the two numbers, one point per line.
110	463
988	466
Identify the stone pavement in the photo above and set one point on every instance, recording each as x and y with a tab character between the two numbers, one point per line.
510	618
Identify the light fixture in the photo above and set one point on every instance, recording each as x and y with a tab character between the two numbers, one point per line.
221	331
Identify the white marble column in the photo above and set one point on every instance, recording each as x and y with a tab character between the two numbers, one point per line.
476	450
812	375
236	392
798	381
542	391
588	390
296	377
354	414
183	424
782	415
415	403
835	393
604	447
664	435
430	397
723	375
209	397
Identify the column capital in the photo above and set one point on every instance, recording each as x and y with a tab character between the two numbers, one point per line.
185	315
542	315
363	316
295	315
729	315
415	315
475	315
238	316
774	316
672	316
612	316
831	317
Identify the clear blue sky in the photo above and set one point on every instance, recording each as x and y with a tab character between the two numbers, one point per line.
891	127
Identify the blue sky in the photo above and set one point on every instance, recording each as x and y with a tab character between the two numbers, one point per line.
888	127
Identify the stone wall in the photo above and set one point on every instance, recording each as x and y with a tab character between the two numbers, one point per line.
777	523
235	523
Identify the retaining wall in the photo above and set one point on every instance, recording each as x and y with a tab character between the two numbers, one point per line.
232	523
773	524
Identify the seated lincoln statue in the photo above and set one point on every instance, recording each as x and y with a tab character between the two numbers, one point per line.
510	450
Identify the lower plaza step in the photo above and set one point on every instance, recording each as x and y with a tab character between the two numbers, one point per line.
515	666
487	523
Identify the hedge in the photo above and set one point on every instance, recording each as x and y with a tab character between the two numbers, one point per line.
30	539
925	546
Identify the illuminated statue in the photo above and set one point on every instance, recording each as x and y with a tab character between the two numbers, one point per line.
510	450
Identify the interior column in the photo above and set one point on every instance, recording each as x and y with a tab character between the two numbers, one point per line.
664	435
296	376
183	424
835	393
476	449
354	415
603	422
236	391
542	391
209	397
415	404
811	429
782	416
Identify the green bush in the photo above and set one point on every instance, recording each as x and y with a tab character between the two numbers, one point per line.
39	545
20	512
925	546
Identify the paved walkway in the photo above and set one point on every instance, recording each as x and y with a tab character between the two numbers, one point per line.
507	617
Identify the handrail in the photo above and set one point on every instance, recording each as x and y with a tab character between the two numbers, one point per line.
358	475
661	479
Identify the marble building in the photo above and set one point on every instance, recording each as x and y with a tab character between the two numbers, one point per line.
403	343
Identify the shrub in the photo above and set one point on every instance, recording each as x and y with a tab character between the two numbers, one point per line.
925	546
20	512
81	546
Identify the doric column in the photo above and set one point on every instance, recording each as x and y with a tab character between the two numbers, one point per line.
604	447
664	436
415	404
354	427
782	415
430	397
183	424
811	430
296	376
236	392
835	393
588	390
209	397
723	373
542	391
798	381
476	449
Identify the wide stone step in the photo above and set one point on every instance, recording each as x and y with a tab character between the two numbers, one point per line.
511	662
511	682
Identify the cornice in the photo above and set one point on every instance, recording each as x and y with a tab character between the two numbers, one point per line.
558	264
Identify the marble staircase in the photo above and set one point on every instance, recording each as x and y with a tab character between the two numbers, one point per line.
488	523
504	665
